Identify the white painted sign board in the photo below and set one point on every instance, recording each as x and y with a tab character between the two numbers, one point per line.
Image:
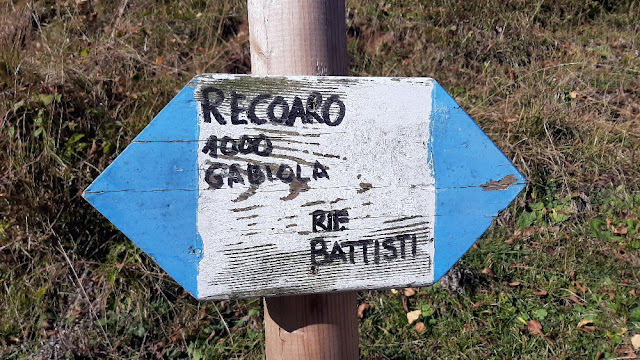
256	186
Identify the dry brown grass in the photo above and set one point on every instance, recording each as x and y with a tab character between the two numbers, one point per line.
554	83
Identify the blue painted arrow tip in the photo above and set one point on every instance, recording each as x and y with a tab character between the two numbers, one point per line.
150	191
464	159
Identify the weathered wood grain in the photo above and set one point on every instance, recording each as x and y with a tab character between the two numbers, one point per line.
377	155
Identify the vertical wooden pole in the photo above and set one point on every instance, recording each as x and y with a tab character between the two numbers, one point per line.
304	37
311	327
298	37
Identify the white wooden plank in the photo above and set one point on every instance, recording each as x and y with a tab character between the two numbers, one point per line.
258	238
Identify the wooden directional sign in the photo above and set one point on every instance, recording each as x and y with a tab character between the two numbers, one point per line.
253	186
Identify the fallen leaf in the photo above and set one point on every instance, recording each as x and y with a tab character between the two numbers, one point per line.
584	322
620	230
487	271
626	350
405	304
540	293
361	309
582	288
414	315
576	300
529	231
159	60
589	328
409	292
635	341
420	327
514	283
534	327
573	94
211	336
477	305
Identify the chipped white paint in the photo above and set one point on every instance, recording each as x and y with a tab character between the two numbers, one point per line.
257	238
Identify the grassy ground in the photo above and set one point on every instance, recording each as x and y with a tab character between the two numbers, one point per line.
554	83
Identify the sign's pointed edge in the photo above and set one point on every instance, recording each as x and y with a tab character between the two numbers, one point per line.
474	180
168	218
161	223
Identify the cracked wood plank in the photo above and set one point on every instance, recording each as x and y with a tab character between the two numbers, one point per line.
297	178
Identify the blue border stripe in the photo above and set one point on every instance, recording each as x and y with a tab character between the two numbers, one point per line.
158	212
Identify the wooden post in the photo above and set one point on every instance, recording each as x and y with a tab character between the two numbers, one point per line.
318	326
304	37
298	37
